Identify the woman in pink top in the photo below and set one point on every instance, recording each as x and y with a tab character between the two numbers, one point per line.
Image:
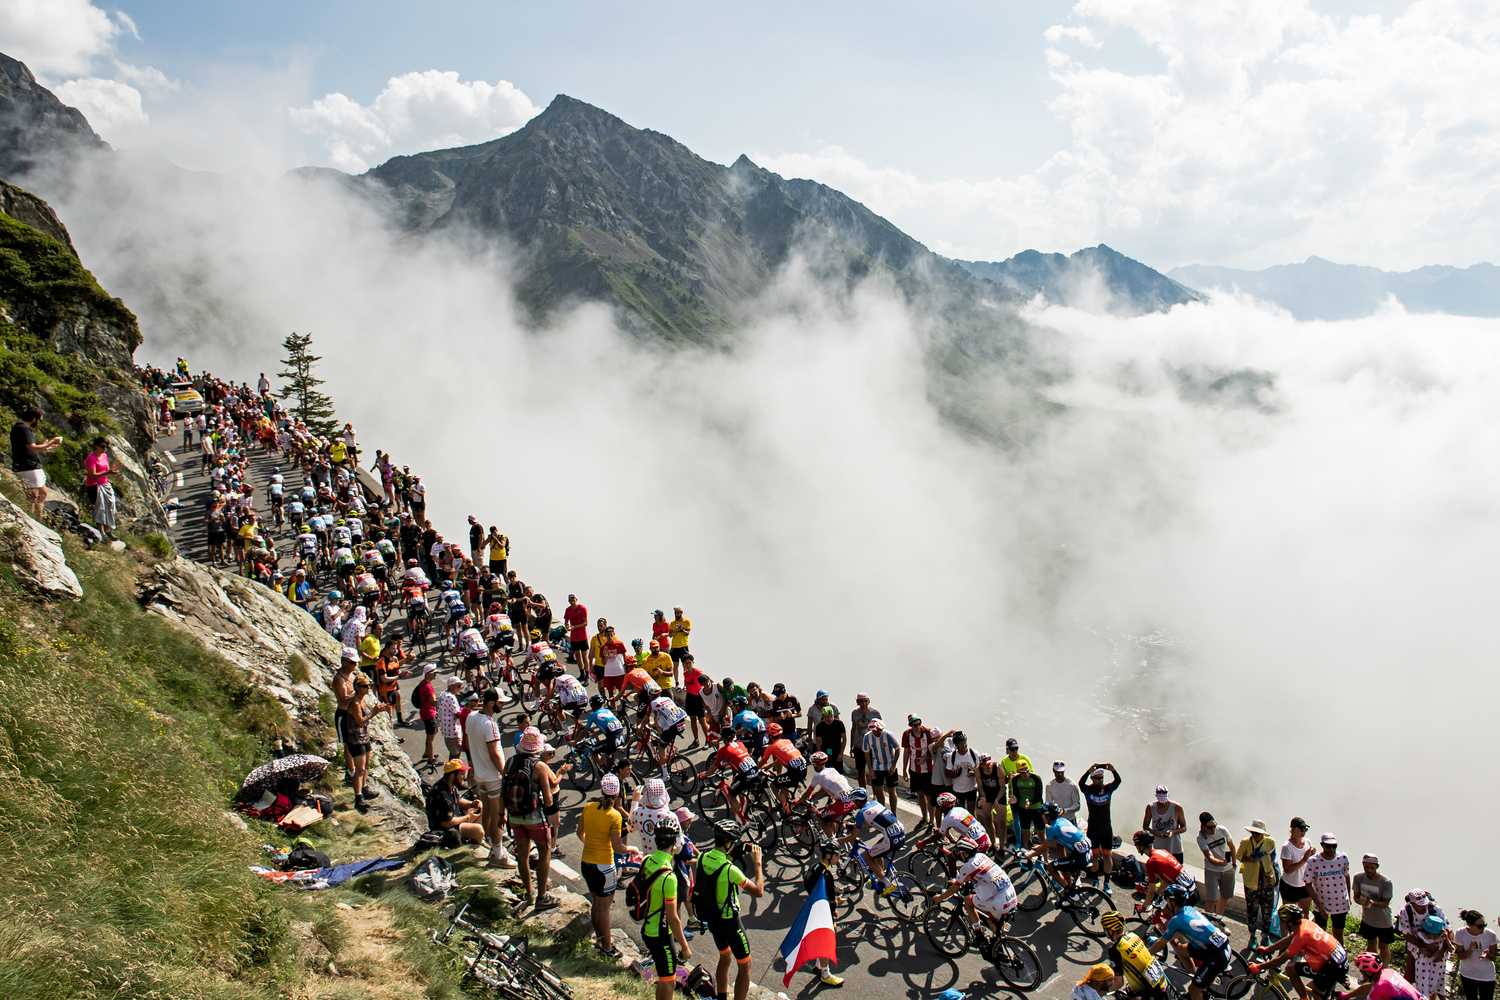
96	475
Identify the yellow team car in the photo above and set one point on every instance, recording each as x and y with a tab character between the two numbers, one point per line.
186	399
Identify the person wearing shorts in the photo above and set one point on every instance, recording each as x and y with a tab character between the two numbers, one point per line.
663	923
723	920
1218	863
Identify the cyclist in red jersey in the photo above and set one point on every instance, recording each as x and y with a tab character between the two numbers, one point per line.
1323	960
1162	870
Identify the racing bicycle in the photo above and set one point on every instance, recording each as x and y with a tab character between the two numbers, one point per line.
950	931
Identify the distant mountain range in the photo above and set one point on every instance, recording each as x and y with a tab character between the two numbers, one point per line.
1321	289
1097	278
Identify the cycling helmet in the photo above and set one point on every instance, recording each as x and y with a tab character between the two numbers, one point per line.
636	643
947	800
466	621
1112	921
446	584
536	633
411	563
334	595
495	606
1176	893
965	848
1052	810
275	469
726	832
1368	963
1290	913
859	794
819	759
773	731
667	832
341	520
1142	840
827	845
740	701
596	702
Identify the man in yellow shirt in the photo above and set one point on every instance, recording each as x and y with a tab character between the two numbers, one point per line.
679	629
661	667
338	451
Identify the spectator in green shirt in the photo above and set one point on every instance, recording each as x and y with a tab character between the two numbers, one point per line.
716	868
663	922
1026	800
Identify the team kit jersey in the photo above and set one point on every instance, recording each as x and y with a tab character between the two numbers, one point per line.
963	821
879	818
667	713
570	693
993	892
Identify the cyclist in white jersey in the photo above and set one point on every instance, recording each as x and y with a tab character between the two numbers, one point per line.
476	651
669	720
960	822
890	834
500	632
570	694
993	897
826	781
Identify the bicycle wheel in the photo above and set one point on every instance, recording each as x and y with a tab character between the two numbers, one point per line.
928	868
1244	986
909	899
850	880
1086	905
682	776
1032	891
1237	968
585	773
947	928
1017	963
712	805
763	831
799	835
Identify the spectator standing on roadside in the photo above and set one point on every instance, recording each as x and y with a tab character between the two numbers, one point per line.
476	541
830	735
693	682
1475	948
601	827
1099	795
678	628
1063	792
1374	892
1257	857
499	547
489	770
96	487
1326	876
916	764
859	725
447	718
26	457
815	711
1218	862
576	617
960	765
1295	854
1167	822
882	750
1026	805
424	700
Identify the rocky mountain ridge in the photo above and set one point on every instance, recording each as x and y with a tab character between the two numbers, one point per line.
1098	279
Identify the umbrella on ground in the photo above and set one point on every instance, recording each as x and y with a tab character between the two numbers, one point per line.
301	766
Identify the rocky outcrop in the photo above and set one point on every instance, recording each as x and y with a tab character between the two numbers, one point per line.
23	206
282	651
37	131
35	553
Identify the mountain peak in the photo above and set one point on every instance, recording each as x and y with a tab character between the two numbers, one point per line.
36	129
570	109
1129	286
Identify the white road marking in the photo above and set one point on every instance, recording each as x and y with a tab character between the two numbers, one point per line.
179	479
558	866
170	457
171	518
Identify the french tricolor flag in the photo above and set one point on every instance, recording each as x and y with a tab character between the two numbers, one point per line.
811	937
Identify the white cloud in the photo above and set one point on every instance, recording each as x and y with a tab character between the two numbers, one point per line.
57	37
416	111
111	107
1268	131
147	79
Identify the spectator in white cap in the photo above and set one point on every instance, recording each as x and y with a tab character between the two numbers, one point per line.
424	700
1374	892
601	828
1167	822
1326	876
1063	792
343	694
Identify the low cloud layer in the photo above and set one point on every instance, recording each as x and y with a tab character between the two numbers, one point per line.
1245	558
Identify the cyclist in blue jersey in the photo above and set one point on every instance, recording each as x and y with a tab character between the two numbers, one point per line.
752	726
1072	848
1201	945
891	835
611	729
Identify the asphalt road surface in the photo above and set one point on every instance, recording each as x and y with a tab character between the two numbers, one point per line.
878	956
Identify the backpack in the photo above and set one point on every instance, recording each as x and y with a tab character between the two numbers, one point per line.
432	878
638	892
303	858
519	791
706	889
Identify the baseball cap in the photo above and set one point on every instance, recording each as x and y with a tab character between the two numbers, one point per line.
1328	838
655	644
431	668
1371	859
454	765
1012	744
778	688
677	607
821	694
658	611
610	784
1058	765
1099	773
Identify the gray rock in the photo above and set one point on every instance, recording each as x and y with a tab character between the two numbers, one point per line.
35	553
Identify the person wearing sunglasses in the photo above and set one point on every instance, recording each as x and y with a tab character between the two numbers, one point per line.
1218	863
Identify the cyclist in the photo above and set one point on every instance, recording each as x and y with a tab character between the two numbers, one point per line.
296	512
1379	983
826	781
470	642
611	730
356	529
415	596
1204	950
747	777
342	536
1162	870
670	722
1136	968
501	633
307	549
1073	848
752	727
275	490
416	573
540	655
570	695
993	897
1323	960
785	761
365	587
451	603
374	561
890	834
344	563
960	822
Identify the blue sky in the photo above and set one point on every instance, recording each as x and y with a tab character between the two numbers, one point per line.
1243	132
